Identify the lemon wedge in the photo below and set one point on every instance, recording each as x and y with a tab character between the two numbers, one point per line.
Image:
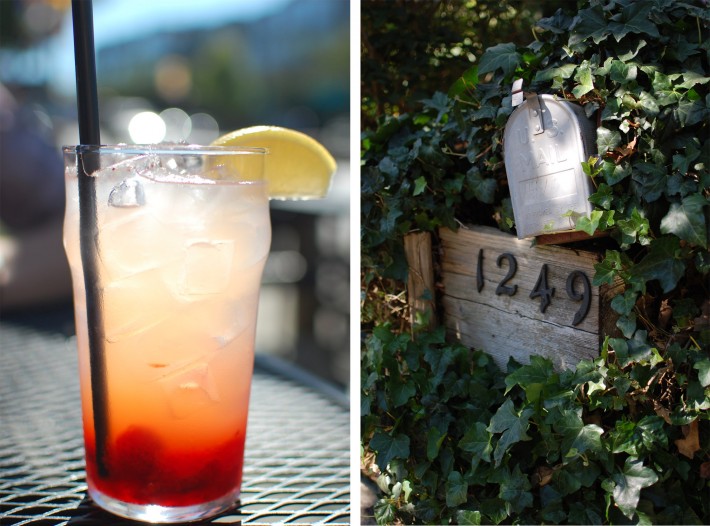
297	166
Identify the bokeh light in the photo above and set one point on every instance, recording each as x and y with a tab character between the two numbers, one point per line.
173	78
146	127
177	123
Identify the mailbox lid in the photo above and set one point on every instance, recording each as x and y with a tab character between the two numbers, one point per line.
545	141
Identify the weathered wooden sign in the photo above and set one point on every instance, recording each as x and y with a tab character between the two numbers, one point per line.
508	298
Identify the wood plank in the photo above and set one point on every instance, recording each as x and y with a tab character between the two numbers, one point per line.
515	325
420	281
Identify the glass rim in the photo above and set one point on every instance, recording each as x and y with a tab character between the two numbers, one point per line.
162	149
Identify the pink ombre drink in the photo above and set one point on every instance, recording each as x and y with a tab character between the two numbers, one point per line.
181	247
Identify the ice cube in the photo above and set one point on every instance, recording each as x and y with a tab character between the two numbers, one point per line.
236	318
132	240
171	164
135	304
127	194
184	169
189	389
187	207
207	267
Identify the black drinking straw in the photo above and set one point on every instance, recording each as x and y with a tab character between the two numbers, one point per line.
88	110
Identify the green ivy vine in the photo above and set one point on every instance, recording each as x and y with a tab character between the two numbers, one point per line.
624	438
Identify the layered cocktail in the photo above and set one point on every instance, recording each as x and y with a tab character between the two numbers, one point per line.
183	234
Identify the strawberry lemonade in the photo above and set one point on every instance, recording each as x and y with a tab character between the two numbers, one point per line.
181	246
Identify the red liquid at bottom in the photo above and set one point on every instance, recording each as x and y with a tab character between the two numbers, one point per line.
144	469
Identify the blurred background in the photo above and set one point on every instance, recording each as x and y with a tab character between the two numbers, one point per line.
180	70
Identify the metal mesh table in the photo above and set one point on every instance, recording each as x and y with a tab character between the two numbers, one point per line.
296	461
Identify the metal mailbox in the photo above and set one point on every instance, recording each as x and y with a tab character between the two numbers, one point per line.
545	141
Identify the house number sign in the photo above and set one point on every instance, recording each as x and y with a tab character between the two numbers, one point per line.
511	299
541	289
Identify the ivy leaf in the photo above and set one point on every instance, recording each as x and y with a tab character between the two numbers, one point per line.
389	222
582	513
567	480
589	224
514	490
389	447
512	425
564	71
612	264
683	49
477	441
652	431
634	19
691	78
687	220
703	367
402	391
585	81
494	509
683	162
577	438
486	112
467	81
668	97
419	185
636	349
430	152
688	112
636	438
697	397
633	228
439	359
589	23
614	173
388	166
456	489
434	441
484	189
538	371
661	263
385	511
407	489
607	140
503	56
624	303
621	72
629	483
650	180
439	102
552	509
469	517
648	103
603	197
588	439
557	23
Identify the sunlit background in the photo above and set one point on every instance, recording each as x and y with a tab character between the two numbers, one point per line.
185	70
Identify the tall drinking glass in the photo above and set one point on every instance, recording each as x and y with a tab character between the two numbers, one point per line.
179	247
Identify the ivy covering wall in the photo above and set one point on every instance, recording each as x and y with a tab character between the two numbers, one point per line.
624	438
